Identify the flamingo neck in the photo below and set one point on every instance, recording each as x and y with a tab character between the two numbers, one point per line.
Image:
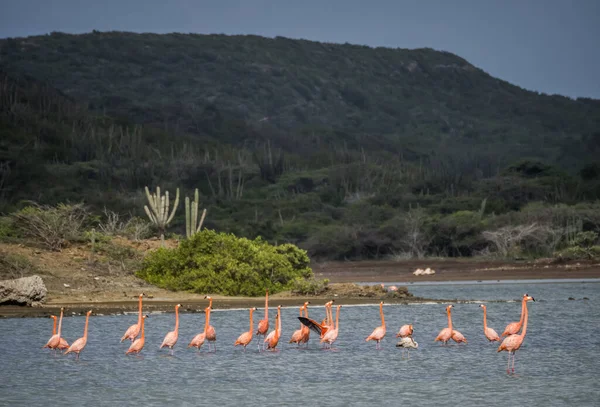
278	325
54	326
85	329
143	328
251	324
337	318
381	313
449	320
140	311
484	318
60	324
176	319
207	321
526	316
267	306
330	315
523	311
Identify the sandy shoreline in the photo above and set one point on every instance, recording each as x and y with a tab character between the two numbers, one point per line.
125	300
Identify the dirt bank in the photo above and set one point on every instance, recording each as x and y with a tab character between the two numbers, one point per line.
107	284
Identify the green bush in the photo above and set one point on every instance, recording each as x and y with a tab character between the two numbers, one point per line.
212	262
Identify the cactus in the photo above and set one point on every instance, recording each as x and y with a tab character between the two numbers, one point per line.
191	215
158	212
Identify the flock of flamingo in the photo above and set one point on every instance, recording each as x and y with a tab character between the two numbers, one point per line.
327	330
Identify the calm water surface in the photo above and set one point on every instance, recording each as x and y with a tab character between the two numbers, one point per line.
559	363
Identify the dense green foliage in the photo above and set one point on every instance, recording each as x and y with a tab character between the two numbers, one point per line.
365	153
211	262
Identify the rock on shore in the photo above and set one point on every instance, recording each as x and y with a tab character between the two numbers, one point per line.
23	291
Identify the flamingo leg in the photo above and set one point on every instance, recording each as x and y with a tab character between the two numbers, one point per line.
508	364
513	364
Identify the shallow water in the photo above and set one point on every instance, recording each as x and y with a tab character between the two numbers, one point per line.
558	363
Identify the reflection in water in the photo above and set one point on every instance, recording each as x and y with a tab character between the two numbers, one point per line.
352	373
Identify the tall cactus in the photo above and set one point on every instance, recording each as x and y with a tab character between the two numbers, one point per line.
191	215
158	212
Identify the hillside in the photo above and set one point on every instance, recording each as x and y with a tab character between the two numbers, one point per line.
348	151
414	102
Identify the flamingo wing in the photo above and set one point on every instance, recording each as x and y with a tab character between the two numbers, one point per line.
511	329
244	339
131	332
312	324
136	346
376	335
211	334
77	346
296	336
263	327
170	340
491	335
444	335
198	341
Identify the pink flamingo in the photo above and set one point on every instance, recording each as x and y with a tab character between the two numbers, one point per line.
405	331
80	343
211	334
245	338
390	288
198	340
54	341
331	335
513	343
324	326
263	324
273	338
138	344
446	333
515	327
489	333
63	342
297	335
305	330
133	331
379	332
171	338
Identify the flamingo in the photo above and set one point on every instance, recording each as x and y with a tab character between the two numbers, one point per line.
489	333
379	332
305	331
513	343
245	338
324	326
331	335
446	333
134	330
171	338
63	344
211	334
515	327
297	335
407	343
54	341
457	336
80	343
138	344
273	338
405	331
198	340
263	324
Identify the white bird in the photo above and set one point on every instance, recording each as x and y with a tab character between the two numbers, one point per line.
407	343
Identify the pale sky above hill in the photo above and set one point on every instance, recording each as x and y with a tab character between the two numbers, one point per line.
549	46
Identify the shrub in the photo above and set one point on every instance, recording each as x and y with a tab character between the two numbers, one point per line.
15	265
310	286
212	262
53	226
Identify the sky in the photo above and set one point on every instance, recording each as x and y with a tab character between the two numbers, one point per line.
550	46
